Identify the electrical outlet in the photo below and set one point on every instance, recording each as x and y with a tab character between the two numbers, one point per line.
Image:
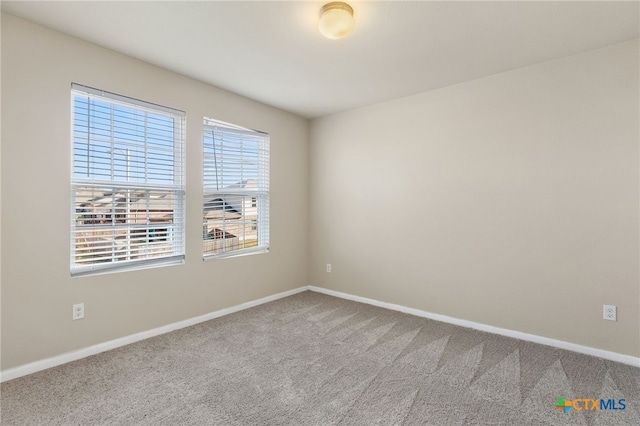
609	312
328	267
78	311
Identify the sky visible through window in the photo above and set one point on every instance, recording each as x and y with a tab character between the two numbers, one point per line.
118	143
230	159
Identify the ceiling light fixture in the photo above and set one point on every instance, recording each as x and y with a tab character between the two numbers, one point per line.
336	20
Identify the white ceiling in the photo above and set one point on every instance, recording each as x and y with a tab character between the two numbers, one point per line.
273	52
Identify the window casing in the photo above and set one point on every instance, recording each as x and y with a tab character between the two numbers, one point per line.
236	190
127	183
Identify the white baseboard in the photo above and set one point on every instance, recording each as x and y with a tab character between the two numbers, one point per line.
587	350
33	367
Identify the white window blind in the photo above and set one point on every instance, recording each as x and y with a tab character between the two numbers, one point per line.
127	184
236	190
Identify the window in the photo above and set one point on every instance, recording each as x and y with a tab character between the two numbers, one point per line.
236	190
127	183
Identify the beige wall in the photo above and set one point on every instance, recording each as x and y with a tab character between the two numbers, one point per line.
38	66
511	200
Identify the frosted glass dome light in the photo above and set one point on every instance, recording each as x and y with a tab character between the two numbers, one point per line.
336	20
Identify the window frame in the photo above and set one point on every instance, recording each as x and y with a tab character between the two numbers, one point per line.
257	198
173	250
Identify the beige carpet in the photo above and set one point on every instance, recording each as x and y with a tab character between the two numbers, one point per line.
312	359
